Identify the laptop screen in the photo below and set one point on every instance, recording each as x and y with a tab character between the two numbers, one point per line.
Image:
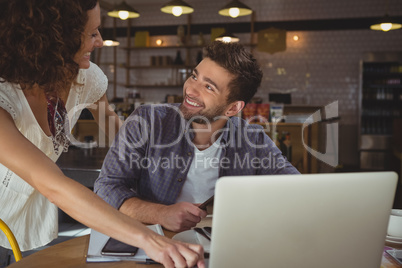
312	220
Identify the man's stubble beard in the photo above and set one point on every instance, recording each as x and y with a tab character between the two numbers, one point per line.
203	117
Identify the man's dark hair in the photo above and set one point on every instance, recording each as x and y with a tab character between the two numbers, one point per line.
239	62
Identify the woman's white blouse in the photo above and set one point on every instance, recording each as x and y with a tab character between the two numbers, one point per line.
30	216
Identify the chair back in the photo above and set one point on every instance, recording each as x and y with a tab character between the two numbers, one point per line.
11	239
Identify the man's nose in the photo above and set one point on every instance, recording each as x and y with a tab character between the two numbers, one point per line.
193	88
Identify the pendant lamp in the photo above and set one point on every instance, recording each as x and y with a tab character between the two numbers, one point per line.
386	24
177	8
227	38
124	11
235	9
110	42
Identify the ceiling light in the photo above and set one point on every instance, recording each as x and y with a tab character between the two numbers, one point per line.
386	24
109	39
234	9
110	43
177	8
159	42
124	11
227	38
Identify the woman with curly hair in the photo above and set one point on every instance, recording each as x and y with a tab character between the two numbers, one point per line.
45	74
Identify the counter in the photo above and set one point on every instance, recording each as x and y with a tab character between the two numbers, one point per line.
82	165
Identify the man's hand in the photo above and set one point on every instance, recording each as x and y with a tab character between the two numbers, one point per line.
177	217
181	216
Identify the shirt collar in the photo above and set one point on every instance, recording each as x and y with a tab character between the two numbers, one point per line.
228	131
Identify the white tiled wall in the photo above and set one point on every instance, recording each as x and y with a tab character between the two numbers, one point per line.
322	67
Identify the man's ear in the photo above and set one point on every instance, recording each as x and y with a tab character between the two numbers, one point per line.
234	108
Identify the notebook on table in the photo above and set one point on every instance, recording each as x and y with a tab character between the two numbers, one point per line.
316	220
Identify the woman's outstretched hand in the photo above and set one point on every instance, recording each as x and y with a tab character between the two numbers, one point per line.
173	253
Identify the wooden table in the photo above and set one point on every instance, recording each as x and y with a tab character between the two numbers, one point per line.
69	254
388	261
72	253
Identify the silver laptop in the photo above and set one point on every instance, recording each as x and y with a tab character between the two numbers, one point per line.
319	220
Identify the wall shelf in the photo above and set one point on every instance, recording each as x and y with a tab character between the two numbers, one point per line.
157	62
156	66
164	47
149	86
139	66
380	104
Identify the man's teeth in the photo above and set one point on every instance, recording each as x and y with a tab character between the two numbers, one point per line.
192	103
88	54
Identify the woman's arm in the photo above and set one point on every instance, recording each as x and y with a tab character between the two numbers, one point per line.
27	161
106	118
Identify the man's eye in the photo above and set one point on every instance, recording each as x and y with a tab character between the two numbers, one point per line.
193	77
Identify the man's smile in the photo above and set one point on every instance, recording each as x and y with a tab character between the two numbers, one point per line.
191	102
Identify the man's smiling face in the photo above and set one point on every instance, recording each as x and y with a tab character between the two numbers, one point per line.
205	92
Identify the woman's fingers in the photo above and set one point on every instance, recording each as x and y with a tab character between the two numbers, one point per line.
177	254
200	255
192	254
187	255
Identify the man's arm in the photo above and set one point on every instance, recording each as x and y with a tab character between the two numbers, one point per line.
118	178
123	170
177	217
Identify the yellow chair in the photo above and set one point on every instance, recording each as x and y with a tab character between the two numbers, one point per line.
12	240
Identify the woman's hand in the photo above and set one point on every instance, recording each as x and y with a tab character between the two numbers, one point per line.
173	253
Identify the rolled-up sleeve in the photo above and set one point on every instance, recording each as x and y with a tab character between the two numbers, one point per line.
118	179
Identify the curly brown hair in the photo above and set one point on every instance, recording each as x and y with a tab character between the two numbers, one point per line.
236	60
38	41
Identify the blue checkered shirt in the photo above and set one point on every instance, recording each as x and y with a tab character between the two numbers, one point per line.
152	153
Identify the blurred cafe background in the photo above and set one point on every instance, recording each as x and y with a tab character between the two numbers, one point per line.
331	95
332	74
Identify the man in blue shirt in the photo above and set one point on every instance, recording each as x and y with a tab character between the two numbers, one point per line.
167	158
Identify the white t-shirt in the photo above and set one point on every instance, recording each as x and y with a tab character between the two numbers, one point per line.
202	175
30	216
